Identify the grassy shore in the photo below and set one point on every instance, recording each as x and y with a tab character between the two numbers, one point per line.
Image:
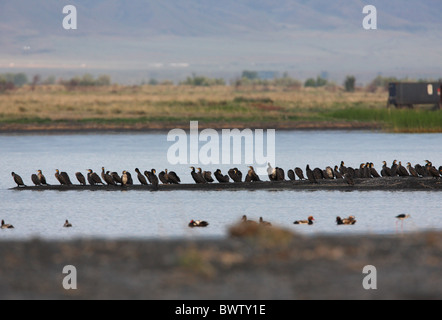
165	107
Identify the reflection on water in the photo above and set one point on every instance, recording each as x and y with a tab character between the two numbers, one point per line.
166	214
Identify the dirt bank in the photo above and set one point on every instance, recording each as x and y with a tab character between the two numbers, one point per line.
91	127
272	265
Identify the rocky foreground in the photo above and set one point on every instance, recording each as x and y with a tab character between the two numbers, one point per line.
252	263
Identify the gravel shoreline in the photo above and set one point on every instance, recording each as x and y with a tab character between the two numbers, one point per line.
271	263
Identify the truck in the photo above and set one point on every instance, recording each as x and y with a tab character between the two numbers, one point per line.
409	94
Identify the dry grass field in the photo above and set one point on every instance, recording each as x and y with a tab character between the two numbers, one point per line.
166	106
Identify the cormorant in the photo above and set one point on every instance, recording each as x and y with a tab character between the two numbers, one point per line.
413	171
81	178
337	173
362	171
318	174
171	177
93	178
6	226
152	177
421	170
116	177
394	168
109	179
386	171
130	181
402	171
275	174
162	177
367	171
197	176
220	177
299	173
432	170
252	176
35	180
309	221
310	175
198	223
235	175
342	168
124	178
207	175
103	173
63	178
271	172
141	177
41	177
291	174
328	173
67	224
373	171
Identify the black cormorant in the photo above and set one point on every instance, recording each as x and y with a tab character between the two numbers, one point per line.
386	171
109	179
310	174
172	177
197	177
141	177
291	174
220	177
63	178
374	173
93	178
152	177
207	175
412	171
18	180
41	177
337	173
80	178
394	168
402	171
116	177
318	174
35	180
252	176
235	175
299	173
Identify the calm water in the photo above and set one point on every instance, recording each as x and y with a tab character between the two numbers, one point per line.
134	214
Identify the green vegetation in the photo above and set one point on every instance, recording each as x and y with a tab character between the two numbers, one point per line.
315	83
398	120
349	83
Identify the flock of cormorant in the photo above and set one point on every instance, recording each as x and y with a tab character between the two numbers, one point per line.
365	171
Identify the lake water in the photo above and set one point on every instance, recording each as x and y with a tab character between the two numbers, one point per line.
161	215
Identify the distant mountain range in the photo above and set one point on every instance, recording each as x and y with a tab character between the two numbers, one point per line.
303	37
